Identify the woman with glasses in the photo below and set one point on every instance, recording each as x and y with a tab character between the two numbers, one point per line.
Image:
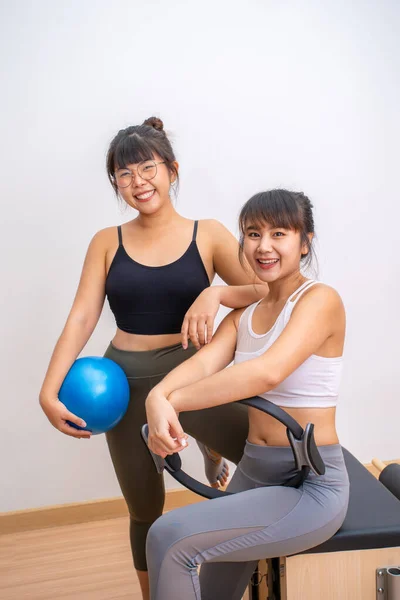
156	272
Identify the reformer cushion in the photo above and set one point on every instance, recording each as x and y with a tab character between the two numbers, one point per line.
373	516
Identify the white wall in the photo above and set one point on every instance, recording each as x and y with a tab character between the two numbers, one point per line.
257	94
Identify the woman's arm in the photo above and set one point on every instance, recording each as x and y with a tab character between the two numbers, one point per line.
225	250
165	432
198	324
210	359
82	320
315	318
243	287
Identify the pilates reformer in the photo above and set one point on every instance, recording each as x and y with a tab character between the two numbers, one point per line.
360	562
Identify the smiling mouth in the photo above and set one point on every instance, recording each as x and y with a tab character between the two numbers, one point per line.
145	196
267	261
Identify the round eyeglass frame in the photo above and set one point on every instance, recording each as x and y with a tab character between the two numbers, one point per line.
155	163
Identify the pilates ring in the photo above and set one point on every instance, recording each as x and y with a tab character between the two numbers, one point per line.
305	452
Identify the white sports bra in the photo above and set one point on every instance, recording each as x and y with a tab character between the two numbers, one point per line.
314	384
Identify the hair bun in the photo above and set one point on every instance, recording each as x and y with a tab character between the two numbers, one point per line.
155	123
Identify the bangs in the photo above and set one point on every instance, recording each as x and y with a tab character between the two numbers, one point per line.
277	208
132	150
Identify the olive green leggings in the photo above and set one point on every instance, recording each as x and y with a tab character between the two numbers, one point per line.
223	428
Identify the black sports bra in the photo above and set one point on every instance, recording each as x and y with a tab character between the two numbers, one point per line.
154	300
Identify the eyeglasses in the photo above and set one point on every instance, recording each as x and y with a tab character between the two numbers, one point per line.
147	169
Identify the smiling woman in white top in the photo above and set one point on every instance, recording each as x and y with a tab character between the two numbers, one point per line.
288	349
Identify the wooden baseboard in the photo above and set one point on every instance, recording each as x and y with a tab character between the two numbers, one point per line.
95	510
81	512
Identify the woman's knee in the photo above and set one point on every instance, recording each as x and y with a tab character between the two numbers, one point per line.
165	535
145	505
141	485
222	428
159	539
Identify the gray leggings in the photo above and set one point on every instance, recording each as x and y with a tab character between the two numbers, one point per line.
223	428
227	536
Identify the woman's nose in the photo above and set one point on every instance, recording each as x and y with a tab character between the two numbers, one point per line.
137	179
265	244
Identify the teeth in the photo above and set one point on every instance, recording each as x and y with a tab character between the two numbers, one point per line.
145	196
268	261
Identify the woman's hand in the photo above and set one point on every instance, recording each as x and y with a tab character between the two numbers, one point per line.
58	415
198	324
166	435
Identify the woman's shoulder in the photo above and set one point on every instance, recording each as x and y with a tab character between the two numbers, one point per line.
237	314
104	239
321	294
213	226
106	234
217	236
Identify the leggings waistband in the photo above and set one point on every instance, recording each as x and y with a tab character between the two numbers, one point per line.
149	363
274	465
277	452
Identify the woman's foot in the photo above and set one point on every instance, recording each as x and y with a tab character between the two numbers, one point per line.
215	466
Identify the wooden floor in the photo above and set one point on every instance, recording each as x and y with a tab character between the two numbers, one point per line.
89	561
77	562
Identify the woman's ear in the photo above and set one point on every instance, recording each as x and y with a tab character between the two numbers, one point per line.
175	174
305	248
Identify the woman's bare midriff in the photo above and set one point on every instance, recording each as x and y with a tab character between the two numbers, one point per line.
140	343
267	431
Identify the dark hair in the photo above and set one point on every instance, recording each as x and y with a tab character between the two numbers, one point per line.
137	143
280	208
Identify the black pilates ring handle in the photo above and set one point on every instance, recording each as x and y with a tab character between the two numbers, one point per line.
296	435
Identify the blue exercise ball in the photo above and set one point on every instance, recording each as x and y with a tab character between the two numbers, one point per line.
97	390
